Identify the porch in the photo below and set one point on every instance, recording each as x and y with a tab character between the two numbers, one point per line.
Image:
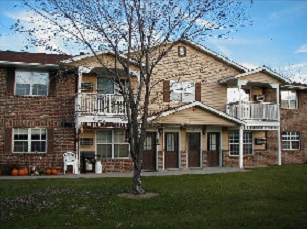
105	104
252	110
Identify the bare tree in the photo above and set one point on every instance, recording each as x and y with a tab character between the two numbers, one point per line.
138	32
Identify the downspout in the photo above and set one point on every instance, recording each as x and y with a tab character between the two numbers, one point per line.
77	115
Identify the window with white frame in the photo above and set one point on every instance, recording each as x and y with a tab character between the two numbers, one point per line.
182	91
290	140
29	140
105	85
234	143
111	144
31	83
289	100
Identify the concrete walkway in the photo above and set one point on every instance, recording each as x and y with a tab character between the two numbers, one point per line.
207	170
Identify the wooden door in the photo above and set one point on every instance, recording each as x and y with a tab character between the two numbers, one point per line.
194	149
213	149
149	152
171	150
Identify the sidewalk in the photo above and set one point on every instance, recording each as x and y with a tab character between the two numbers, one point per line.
207	170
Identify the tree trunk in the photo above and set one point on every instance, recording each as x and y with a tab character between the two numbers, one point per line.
137	181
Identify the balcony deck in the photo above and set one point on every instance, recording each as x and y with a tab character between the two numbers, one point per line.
101	104
261	111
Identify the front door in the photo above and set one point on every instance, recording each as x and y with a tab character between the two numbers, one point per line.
194	149
149	152
171	150
213	149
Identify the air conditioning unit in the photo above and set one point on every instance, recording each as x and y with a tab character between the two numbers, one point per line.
87	86
260	141
259	98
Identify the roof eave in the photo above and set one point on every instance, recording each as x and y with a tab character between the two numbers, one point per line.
24	64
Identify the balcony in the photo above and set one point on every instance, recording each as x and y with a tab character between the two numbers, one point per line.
103	104
260	111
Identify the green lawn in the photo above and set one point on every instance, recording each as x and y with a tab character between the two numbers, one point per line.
272	197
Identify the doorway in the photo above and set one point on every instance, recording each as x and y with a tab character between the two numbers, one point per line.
194	149
171	150
213	149
149	152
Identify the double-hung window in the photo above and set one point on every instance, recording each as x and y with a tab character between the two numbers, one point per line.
234	143
182	91
290	140
111	144
29	140
289	100
31	83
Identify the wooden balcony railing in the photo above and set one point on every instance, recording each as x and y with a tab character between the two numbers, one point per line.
105	104
253	110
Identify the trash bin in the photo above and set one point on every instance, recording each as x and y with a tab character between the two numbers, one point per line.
87	162
98	167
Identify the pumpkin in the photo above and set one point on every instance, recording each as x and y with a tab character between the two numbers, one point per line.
14	172
25	170
48	171
54	171
21	172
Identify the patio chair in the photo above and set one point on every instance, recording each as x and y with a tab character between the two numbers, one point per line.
69	158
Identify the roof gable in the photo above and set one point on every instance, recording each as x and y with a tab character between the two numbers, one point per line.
204	107
215	55
263	69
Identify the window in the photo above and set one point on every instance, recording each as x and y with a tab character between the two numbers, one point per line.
30	140
290	140
182	51
289	100
31	83
234	143
105	85
111	144
148	142
86	141
182	91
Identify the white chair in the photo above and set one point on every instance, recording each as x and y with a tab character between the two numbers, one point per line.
69	158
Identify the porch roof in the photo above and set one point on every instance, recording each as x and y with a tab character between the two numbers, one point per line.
217	113
263	69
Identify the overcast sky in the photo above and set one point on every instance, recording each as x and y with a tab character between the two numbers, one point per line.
277	37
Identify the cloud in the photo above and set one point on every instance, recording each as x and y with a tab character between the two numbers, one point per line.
296	72
303	48
249	65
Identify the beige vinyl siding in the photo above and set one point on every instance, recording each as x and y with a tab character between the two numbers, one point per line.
194	116
260	77
196	66
88	134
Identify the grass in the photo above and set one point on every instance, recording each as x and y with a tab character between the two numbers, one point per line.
272	197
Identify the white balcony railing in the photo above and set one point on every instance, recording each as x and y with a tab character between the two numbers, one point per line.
102	104
253	110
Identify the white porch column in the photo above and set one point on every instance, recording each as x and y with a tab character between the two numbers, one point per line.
77	116
276	86
240	83
279	145
241	147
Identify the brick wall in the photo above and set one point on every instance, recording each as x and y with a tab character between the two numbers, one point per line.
48	112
